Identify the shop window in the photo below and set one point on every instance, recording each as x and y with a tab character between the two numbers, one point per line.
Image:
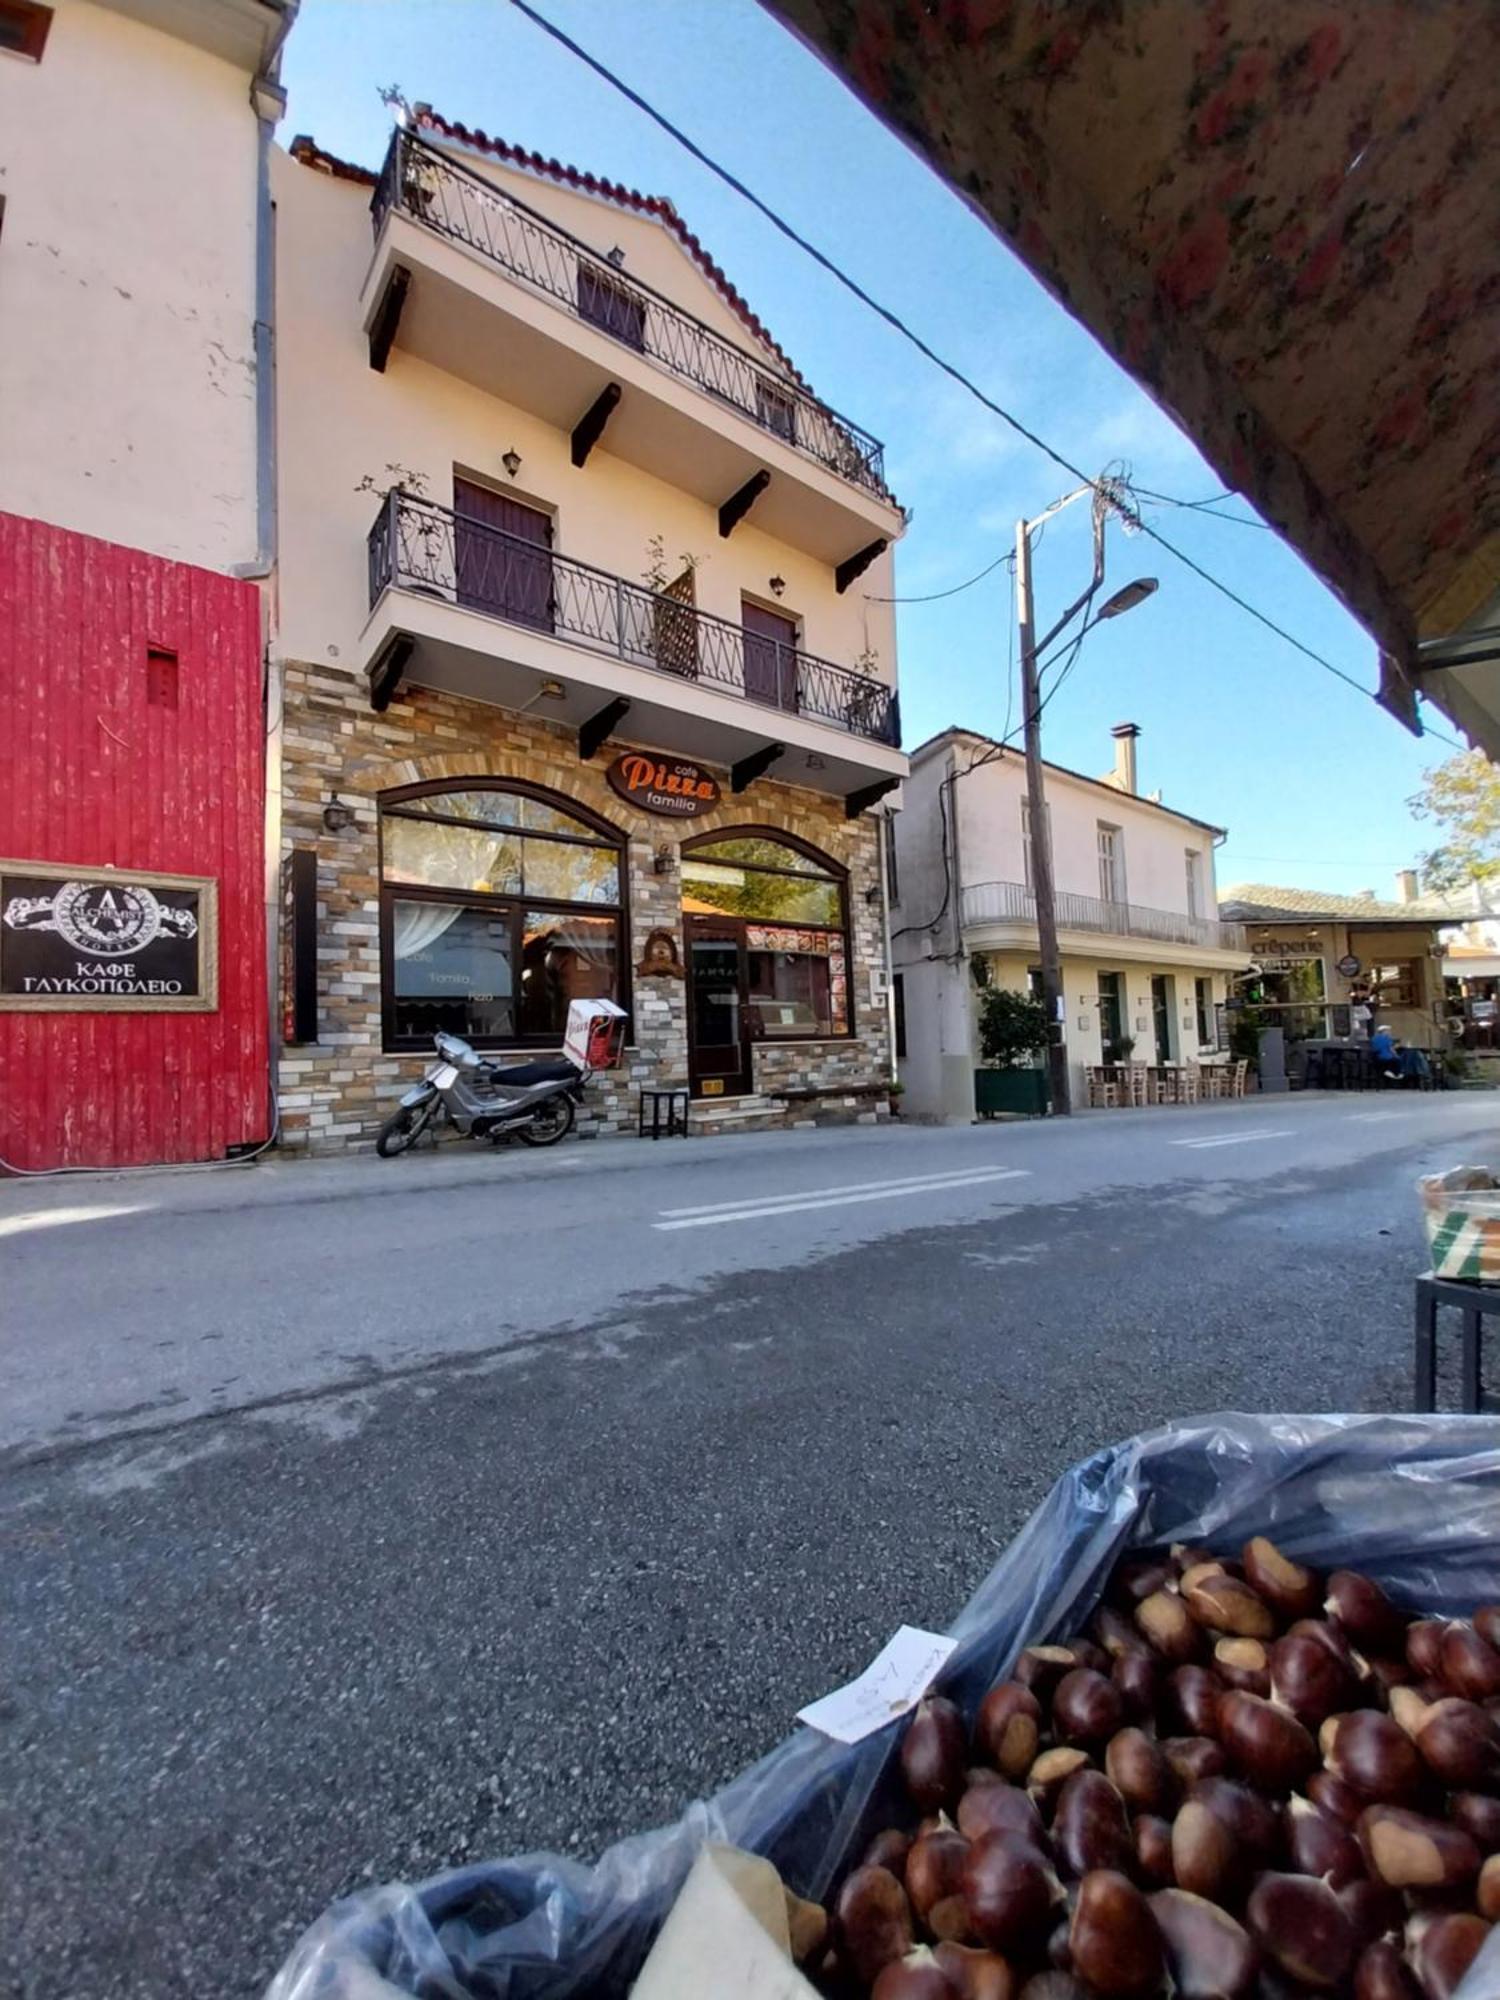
1397	983
611	306
23	28
787	908
759	878
499	906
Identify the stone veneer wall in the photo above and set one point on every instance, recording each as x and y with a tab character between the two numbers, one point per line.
336	1093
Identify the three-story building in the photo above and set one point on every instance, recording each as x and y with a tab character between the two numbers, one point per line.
577	696
1145	957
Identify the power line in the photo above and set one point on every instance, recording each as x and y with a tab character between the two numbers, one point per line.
932	596
898	325
1202	507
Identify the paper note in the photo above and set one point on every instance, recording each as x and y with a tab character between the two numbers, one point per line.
893	1683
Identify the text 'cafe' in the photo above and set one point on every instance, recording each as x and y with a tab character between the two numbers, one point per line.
479	874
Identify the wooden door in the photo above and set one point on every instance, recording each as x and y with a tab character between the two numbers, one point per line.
770	656
503	556
718	1019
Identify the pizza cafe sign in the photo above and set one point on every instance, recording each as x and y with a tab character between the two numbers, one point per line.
663	785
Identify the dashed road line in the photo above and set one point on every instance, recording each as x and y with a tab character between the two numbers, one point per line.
1228	1139
713	1213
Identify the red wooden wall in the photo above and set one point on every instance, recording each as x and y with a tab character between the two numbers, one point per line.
91	773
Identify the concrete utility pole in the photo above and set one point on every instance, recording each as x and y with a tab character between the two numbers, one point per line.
1105	499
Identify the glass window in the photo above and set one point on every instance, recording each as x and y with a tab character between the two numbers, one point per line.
1194	862
1396	985
746	892
790	993
565	956
1111	1012
565	873
452	971
452	857
1111	864
754	851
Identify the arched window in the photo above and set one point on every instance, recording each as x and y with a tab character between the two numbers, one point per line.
499	904
783	906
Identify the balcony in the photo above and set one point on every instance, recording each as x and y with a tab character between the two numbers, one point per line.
1002	906
472	280
466	607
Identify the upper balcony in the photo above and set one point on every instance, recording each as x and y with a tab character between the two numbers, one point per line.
460	605
1004	913
470	279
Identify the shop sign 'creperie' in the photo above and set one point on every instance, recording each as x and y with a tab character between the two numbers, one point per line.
661	785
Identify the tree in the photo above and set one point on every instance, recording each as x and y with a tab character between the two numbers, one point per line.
1463	797
1011	1026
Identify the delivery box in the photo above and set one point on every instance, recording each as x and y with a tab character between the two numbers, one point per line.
596	1035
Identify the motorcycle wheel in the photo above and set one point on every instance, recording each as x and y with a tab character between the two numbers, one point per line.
553	1121
403	1128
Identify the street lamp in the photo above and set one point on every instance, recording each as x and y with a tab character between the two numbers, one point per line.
1124	599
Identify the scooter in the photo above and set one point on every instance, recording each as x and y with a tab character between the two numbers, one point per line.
484	1100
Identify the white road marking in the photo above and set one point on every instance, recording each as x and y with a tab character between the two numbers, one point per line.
912	1181
1229	1139
1373	1117
797	1205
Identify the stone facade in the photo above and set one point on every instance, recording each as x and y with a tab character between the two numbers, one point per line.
335	1093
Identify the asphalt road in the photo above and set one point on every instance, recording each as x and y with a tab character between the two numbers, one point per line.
364	1518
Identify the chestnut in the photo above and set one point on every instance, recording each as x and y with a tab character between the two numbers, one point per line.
1041	1668
1382	1974
1139	1772
1086	1708
932	1754
1336	1797
1244	1663
1364	1613
1409	1709
1375	1910
1010	1892
1153	1850
1167	1623
1479	1816
1486	1622
917	1976
1209	1955
934	1881
1053	1985
1130	1582
1137	1676
1088	1653
1301	1926
888	1849
1269	1746
973	1974
1089	1828
1285	1585
1468	1665
1225	1604
1311	1678
1193	1697
1000	1809
1252	1820
1424	1647
1375	1755
1207	1860
1112	1938
1460	1743
1193	1758
1487	1891
1320	1845
1406	1851
1387	1676
1441	1950
873	1921
1008	1728
1051	1772
1116	1634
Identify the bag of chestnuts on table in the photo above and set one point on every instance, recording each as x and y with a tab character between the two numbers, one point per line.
1223	1722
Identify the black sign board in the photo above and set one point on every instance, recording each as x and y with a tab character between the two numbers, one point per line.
109	940
299	946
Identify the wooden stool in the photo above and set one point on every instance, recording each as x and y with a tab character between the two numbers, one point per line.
1473	1302
676	1105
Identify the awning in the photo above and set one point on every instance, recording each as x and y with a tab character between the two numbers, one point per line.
1282	220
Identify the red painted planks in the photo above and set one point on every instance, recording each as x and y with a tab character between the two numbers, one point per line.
92	773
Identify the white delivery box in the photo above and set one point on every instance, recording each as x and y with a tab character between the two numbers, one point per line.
596	1035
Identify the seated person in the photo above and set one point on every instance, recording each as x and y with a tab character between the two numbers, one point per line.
1383	1049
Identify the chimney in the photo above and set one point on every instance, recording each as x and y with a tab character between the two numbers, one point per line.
1125	734
1406	885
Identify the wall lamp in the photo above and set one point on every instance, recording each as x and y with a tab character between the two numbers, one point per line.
511	460
337	816
661	860
778	585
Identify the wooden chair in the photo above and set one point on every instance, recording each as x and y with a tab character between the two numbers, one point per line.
1140	1082
1191	1083
1105	1089
1239	1072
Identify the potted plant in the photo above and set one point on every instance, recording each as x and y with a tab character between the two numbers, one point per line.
1012	1032
1119	1050
896	1090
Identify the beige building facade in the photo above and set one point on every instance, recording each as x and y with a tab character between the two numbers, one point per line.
580	690
1146	958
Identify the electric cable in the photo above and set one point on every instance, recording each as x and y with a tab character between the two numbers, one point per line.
932	596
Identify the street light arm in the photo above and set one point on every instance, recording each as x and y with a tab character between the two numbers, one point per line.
1082	600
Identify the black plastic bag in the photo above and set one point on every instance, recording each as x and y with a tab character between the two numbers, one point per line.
1412	1501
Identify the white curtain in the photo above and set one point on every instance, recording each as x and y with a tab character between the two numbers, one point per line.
418	925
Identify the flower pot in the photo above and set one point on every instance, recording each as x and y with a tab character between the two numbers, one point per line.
1016	1093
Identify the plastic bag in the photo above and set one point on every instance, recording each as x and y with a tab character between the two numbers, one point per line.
1413	1501
1461	1214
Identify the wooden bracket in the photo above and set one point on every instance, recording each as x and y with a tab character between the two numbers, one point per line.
388	316
590	426
596	731
738	505
868	795
856	565
744	774
386	672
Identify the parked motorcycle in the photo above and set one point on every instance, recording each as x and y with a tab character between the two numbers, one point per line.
484	1100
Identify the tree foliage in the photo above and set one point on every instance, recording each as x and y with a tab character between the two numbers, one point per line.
1011	1026
1463	797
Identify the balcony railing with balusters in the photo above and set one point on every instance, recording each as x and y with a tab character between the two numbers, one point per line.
418	546
1013	903
425	185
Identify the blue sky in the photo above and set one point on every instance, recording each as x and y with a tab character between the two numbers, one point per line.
1237	728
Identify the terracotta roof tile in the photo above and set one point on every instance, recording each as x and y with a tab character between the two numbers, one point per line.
1250	902
306	151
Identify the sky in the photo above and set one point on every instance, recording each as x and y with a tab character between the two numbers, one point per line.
1237	728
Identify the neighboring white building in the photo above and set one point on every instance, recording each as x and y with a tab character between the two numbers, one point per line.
1145	957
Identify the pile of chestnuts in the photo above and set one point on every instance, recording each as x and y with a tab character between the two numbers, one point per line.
1245	1782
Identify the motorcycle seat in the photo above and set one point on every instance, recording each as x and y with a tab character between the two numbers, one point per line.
554	1069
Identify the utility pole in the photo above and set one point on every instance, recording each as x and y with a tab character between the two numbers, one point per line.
1041	846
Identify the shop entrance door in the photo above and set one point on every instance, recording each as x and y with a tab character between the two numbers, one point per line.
718	1026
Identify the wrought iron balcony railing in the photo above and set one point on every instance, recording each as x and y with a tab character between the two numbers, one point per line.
1013	903
424	184
415	545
